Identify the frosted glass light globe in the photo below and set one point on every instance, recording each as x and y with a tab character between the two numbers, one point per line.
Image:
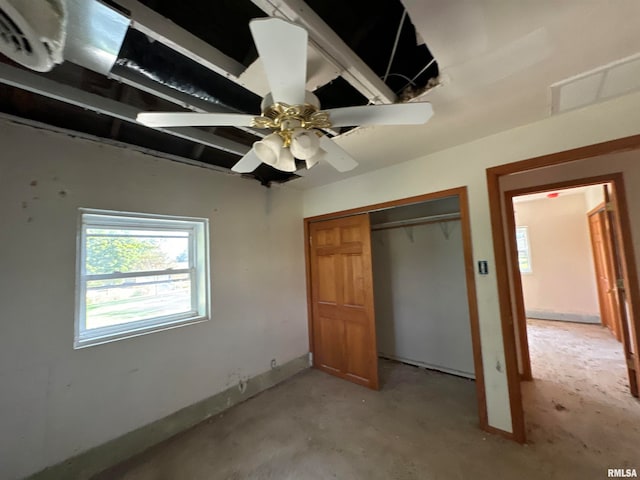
304	143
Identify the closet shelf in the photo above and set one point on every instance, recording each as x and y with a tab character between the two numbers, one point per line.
445	217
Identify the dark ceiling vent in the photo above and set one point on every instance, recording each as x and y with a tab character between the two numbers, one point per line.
141	57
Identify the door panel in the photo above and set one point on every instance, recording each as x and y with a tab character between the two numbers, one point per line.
327	292
353	280
350	234
326	237
343	321
329	352
357	365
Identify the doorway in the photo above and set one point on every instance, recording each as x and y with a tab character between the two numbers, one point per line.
610	162
576	251
567	251
332	268
614	293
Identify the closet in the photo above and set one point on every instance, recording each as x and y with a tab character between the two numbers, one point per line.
419	285
394	280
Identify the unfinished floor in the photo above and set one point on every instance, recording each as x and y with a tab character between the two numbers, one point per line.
580	393
421	425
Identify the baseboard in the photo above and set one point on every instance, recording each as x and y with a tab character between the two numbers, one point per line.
98	459
429	366
563	317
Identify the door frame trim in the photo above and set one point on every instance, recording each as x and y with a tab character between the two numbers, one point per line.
465	222
501	252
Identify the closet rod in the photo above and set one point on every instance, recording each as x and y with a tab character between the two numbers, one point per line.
446	217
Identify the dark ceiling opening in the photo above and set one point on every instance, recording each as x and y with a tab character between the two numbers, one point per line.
157	78
370	29
223	24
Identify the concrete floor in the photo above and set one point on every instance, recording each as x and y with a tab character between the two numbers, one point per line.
421	425
580	394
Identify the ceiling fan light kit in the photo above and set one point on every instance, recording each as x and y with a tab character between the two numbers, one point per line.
304	143
268	149
293	114
286	162
296	125
273	151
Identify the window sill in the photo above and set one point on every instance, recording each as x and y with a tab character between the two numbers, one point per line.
92	341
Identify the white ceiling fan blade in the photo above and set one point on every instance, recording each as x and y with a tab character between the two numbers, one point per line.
282	47
194	119
396	114
336	156
248	163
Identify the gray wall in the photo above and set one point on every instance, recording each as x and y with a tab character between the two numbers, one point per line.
422	314
56	402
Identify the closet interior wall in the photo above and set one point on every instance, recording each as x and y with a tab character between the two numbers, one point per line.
422	316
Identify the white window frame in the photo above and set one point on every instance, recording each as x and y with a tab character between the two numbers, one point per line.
198	270
527	250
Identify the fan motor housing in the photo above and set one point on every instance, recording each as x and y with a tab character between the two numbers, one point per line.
32	32
309	99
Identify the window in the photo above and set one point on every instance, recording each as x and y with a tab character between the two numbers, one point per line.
524	253
139	273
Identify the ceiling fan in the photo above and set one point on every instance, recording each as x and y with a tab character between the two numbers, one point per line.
293	114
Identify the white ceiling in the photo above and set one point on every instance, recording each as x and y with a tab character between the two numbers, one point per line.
498	59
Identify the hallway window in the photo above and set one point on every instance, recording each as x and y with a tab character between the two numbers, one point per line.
524	253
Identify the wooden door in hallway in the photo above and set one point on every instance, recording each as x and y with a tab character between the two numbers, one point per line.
605	271
343	321
606	241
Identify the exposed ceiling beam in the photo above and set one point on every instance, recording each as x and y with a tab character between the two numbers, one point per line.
41	85
177	38
332	47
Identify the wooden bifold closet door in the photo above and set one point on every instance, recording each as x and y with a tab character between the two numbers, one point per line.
343	321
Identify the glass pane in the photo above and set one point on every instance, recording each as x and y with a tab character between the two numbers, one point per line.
522	242
132	250
117	301
523	259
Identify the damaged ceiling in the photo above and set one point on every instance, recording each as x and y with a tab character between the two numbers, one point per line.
162	55
496	64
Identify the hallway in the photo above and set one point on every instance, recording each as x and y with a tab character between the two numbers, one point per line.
580	394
